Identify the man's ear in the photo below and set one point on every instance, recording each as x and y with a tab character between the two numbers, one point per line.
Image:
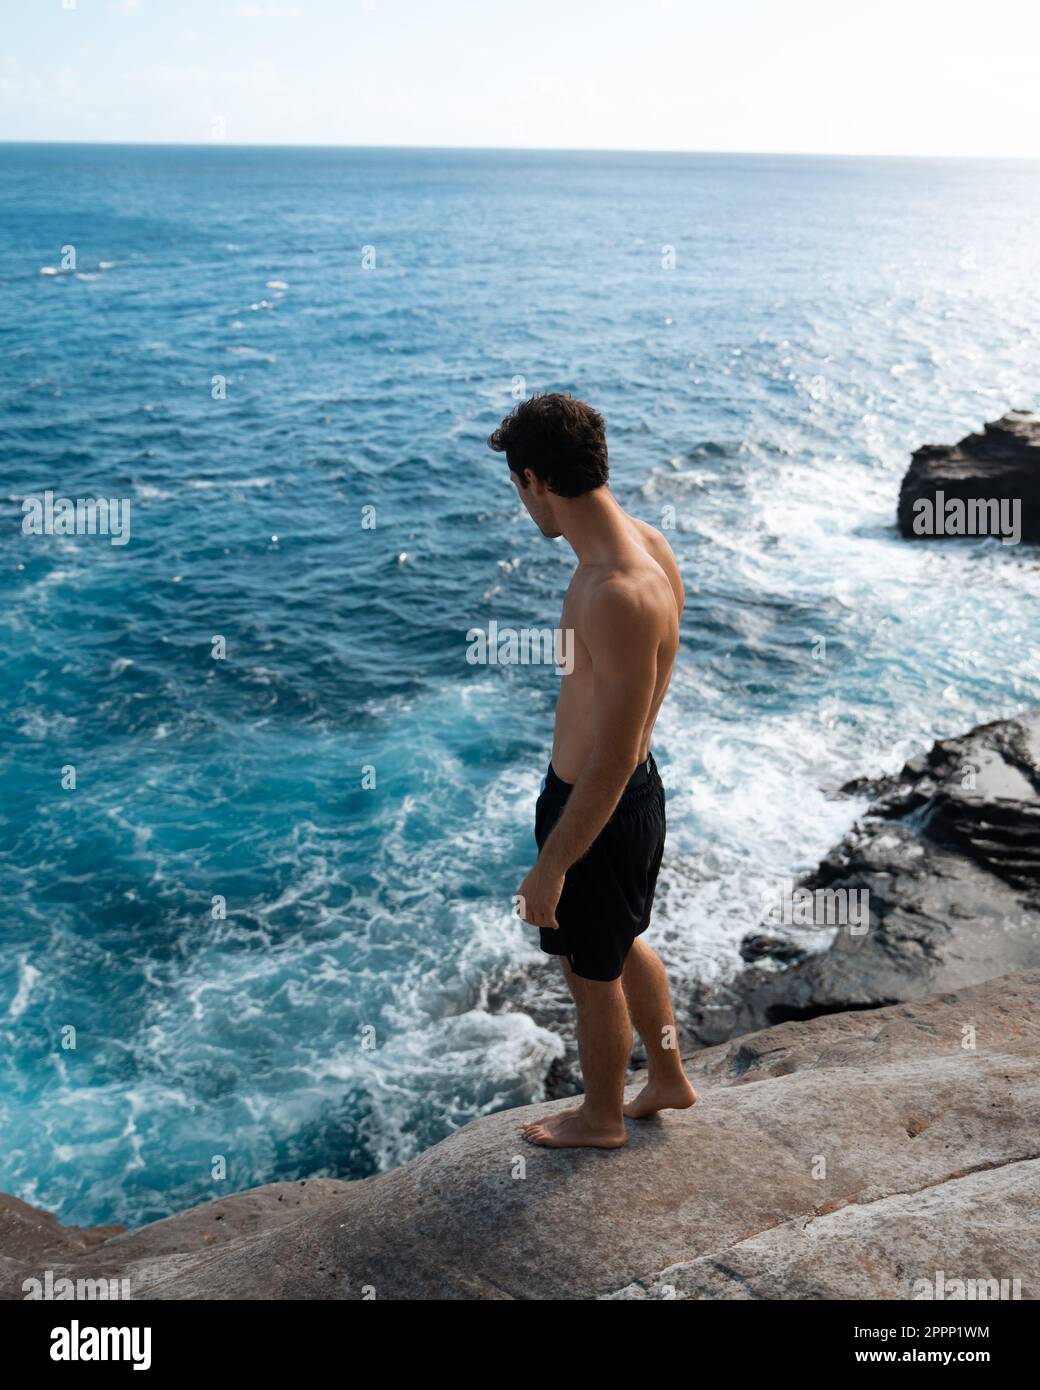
534	481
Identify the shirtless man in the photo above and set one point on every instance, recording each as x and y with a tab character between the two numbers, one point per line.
600	818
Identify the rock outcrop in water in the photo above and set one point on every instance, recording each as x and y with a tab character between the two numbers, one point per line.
850	1156
1002	463
949	852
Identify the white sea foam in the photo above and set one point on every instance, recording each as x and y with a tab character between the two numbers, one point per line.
254	354
28	977
205	484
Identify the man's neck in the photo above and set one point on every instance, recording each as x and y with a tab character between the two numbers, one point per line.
595	527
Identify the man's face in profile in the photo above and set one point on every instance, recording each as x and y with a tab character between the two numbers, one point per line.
535	499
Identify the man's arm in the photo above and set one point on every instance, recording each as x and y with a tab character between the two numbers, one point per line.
622	645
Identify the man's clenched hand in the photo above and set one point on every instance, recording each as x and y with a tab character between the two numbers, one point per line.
538	894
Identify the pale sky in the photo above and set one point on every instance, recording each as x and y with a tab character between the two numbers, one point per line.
905	77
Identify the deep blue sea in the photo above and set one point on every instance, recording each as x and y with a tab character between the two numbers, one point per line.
822	318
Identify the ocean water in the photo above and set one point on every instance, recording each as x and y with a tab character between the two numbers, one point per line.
822	318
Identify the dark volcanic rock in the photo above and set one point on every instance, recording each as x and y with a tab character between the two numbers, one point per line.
950	856
1003	462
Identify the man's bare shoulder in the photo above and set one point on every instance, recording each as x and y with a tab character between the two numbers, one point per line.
659	549
621	611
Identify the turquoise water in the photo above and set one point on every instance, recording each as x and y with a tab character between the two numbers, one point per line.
823	317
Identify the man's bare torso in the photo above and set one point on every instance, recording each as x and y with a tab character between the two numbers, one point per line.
645	565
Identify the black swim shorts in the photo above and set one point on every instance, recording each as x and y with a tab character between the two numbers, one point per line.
607	895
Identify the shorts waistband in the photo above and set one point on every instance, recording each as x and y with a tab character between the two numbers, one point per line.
645	774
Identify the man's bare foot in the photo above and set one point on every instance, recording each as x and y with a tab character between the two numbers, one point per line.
572	1129
663	1095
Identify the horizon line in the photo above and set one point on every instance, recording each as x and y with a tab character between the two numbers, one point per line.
513	149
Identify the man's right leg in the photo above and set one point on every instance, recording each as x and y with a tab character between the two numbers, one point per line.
646	993
604	1049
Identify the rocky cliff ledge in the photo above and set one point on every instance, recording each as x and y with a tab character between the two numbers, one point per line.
844	1157
1002	463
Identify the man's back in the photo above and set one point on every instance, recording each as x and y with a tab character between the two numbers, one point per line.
640	568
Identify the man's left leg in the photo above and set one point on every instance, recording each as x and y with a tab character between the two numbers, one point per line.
604	1050
650	1008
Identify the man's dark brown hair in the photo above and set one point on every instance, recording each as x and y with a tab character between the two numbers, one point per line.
561	440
